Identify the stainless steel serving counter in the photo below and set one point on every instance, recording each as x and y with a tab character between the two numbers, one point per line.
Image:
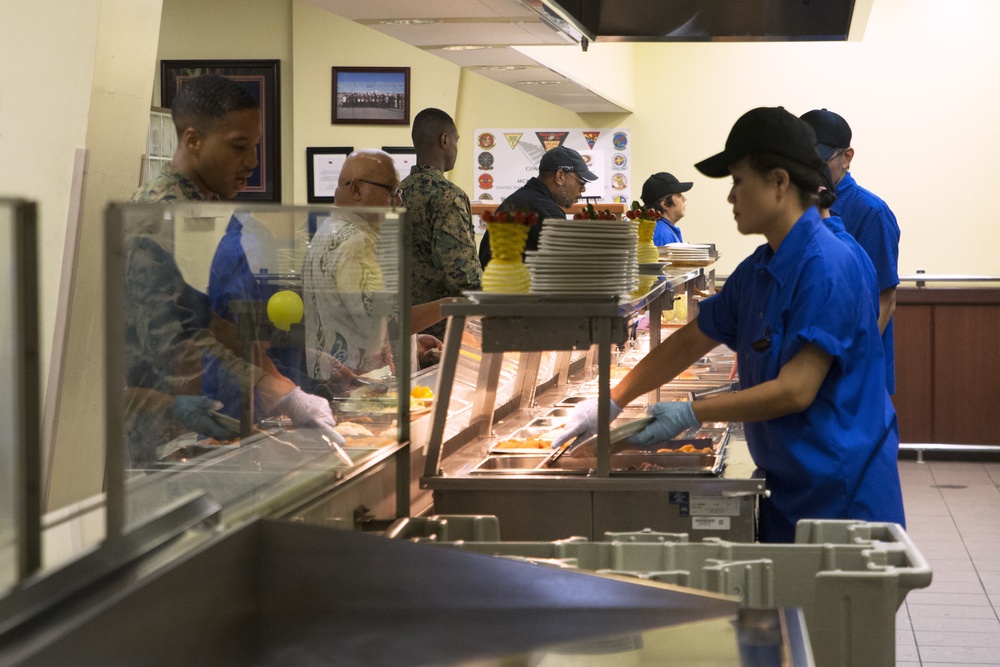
534	502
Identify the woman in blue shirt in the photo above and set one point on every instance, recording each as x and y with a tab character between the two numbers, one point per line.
663	193
818	419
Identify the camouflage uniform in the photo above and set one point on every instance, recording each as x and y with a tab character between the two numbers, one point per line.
445	262
167	329
170	185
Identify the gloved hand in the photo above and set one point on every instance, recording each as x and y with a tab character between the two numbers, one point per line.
309	411
672	418
192	411
583	421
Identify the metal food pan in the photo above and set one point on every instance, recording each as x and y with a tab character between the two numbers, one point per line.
520	434
649	463
561	413
523	465
572	400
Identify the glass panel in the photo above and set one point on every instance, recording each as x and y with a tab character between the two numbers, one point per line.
8	436
247	333
13	431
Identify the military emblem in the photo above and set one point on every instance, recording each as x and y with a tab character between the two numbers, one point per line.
591	138
619	140
619	161
551	140
485	160
487	141
513	138
485	181
619	182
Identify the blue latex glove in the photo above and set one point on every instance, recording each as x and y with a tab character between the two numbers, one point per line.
583	421
672	419
193	412
309	411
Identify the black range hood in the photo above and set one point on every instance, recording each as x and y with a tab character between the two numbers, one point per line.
706	20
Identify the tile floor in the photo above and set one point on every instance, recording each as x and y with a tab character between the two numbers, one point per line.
953	517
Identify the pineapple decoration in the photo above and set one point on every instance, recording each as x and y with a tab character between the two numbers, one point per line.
506	272
646	251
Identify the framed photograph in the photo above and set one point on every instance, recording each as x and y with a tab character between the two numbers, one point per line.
371	95
404	157
261	78
322	171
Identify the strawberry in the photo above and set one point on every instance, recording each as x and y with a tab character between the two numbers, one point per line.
519	217
487	216
532	218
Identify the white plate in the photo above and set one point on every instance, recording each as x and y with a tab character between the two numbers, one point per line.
584	224
542	255
535	297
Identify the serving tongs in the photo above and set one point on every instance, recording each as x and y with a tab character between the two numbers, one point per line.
587	448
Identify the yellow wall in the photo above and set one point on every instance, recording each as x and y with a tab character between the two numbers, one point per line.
118	120
917	92
234	30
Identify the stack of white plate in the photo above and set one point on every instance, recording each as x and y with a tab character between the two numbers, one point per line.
584	256
680	254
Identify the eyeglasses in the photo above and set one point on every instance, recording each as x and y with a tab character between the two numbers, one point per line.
579	180
836	155
396	193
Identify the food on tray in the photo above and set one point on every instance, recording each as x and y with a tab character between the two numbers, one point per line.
685	449
524	443
420	391
371	442
350	428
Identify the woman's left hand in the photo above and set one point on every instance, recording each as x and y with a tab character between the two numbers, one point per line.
672	418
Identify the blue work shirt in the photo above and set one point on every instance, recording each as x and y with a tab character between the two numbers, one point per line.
867	276
837	458
231	280
869	220
666	232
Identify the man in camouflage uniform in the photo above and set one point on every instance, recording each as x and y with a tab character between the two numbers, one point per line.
445	262
170	326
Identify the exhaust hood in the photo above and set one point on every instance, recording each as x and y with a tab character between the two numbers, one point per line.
706	20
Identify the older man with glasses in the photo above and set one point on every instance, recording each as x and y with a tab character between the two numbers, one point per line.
341	275
866	217
562	178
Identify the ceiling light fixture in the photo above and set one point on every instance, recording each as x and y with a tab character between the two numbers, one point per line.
409	21
464	47
499	68
537	83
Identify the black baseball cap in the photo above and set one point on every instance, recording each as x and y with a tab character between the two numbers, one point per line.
562	158
660	185
832	131
767	131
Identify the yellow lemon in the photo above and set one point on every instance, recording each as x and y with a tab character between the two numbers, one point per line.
285	309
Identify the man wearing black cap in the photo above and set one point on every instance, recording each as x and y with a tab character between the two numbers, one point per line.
562	177
663	193
866	217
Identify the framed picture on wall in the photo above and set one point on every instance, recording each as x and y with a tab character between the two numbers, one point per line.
261	78
323	167
404	157
371	95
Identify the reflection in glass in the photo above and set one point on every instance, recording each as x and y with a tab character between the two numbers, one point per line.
227	388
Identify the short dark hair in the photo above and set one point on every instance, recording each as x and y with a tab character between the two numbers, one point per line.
206	99
428	125
806	180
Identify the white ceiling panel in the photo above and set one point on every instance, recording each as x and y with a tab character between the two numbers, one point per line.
497	24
